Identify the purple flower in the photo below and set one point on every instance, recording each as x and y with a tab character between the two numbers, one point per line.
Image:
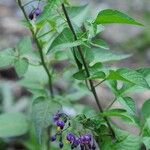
56	117
60	124
76	142
37	11
34	13
70	137
87	137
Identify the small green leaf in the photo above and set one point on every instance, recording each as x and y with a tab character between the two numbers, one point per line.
7	57
113	112
128	104
81	75
146	109
67	45
74	11
42	112
129	75
100	43
31	81
78	14
60	55
102	55
98	75
127	141
12	124
21	66
25	46
92	29
95	73
87	54
122	113
114	16
64	40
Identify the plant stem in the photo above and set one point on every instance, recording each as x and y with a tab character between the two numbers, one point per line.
100	83
111	103
87	70
39	49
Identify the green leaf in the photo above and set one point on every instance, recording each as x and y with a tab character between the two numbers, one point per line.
64	40
100	43
42	112
80	75
92	29
114	16
35	78
128	104
64	46
12	124
7	57
127	141
87	54
129	75
144	71
146	109
113	112
122	113
21	66
25	45
78	14
95	73
60	55
75	10
98	75
102	55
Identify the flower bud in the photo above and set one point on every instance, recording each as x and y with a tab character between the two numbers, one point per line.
53	138
37	11
31	16
61	145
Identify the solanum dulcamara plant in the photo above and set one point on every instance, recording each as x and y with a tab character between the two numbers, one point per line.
63	60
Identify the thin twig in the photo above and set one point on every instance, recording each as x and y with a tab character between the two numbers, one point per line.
99	83
44	34
39	48
87	70
108	107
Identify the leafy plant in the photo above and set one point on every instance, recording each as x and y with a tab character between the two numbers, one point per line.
65	33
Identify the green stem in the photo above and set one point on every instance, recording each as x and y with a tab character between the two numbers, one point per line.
111	103
39	48
42	59
100	83
87	70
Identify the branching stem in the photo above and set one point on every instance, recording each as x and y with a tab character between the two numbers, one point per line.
39	48
93	90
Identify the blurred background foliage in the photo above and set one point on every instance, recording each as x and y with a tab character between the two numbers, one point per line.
134	40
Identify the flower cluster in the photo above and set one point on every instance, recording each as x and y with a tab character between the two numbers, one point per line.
60	120
34	13
84	141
